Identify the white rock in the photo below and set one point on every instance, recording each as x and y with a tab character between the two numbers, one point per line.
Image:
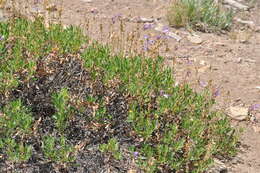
195	39
247	22
88	1
250	60
173	35
236	4
145	20
238	113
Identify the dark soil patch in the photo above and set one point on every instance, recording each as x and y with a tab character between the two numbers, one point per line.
83	130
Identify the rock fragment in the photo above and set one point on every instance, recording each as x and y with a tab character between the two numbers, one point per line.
236	4
195	39
238	113
167	32
145	20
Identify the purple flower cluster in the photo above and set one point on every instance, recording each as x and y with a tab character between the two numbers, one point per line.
148	42
136	154
165	29
203	83
216	92
254	107
148	26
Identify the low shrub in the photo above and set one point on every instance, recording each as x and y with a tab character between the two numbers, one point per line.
120	104
203	15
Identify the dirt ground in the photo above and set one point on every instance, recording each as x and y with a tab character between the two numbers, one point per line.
231	60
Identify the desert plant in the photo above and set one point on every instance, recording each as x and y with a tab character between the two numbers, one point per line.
112	147
16	120
17	152
178	127
174	128
19	35
63	111
205	15
56	149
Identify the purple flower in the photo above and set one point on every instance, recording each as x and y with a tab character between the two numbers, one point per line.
147	26
2	38
254	107
162	92
216	92
145	47
165	29
158	37
136	154
147	42
150	42
165	37
189	61
203	83
146	37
